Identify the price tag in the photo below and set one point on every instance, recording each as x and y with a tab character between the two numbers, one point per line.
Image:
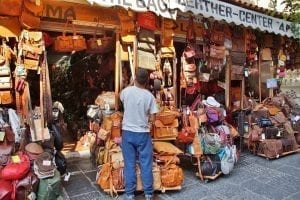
263	137
2	135
46	162
99	42
16	159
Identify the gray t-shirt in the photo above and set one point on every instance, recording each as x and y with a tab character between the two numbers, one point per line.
138	104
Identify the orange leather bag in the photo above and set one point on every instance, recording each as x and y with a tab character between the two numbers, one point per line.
171	175
165	131
69	43
116	125
147	20
29	21
6	97
10	7
101	44
156	178
34	7
104	176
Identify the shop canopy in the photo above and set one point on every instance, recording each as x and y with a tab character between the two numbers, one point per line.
208	8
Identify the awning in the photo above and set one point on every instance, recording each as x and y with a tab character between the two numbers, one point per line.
208	8
159	7
9	27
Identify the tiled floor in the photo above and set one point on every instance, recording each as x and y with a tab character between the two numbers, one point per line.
253	178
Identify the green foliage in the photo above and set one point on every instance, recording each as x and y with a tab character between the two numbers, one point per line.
292	13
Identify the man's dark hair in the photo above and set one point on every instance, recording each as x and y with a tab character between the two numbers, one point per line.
141	76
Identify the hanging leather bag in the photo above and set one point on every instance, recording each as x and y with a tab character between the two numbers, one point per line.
6	149
27	185
70	43
165	131
29	21
10	7
34	7
101	44
147	20
190	32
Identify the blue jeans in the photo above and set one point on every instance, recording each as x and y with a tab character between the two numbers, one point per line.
137	145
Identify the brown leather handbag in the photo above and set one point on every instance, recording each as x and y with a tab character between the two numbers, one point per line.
116	125
118	179
156	178
104	176
171	175
165	131
272	148
70	43
10	7
29	21
147	20
101	44
6	97
27	185
6	146
33	7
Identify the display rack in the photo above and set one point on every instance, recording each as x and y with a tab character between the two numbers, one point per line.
281	155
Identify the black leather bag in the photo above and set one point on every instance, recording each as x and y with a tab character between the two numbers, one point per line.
208	167
271	132
264	122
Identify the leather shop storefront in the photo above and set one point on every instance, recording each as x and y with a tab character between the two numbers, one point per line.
216	70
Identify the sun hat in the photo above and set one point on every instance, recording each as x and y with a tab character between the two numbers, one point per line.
211	101
33	150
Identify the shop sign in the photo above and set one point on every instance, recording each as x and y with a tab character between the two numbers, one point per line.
60	11
159	7
231	13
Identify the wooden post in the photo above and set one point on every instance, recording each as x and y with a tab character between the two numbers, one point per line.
259	77
117	70
227	82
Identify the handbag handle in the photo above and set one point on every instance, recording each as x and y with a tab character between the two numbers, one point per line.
66	25
97	30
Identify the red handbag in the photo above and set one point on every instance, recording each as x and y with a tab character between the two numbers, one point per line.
146	20
6	190
186	135
16	168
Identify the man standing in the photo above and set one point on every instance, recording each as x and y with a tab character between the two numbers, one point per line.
139	109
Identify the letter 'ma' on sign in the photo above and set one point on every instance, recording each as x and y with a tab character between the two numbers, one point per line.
53	12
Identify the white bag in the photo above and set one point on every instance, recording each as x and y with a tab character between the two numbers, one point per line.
227	162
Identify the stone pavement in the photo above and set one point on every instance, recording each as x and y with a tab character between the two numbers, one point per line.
252	178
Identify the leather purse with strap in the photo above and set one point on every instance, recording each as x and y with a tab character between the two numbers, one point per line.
70	43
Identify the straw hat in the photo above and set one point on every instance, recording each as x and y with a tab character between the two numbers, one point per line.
211	101
34	149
